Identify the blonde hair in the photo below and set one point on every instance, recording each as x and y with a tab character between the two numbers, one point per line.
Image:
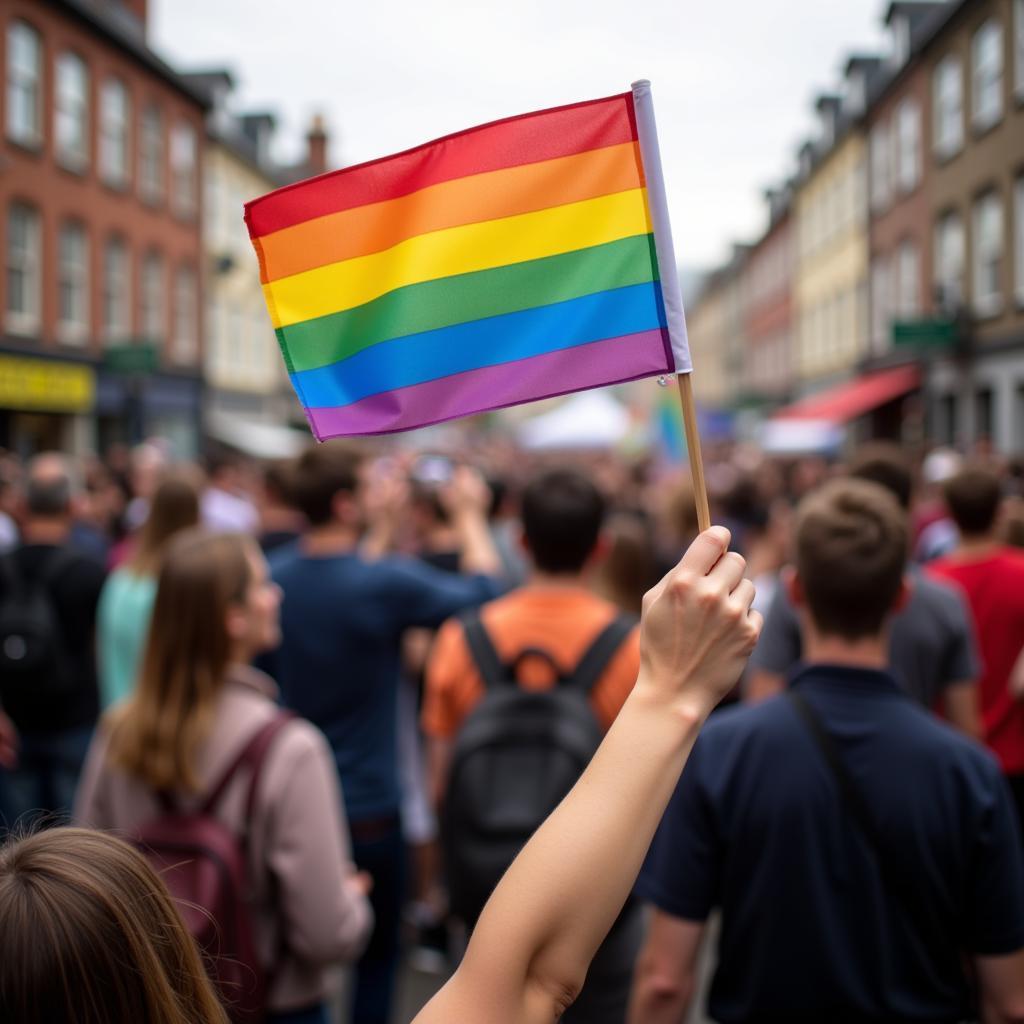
91	936
155	735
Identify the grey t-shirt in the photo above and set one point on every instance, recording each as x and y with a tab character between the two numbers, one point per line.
931	644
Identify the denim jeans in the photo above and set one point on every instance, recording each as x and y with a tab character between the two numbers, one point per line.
41	789
311	1015
383	856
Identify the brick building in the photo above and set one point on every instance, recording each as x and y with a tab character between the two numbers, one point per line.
900	136
975	64
100	206
769	307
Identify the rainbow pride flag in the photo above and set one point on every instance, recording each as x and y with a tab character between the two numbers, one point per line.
515	261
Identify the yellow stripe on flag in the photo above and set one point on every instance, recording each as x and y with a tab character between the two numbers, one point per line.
458	250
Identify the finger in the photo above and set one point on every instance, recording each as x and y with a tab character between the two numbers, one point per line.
706	550
744	594
756	619
728	571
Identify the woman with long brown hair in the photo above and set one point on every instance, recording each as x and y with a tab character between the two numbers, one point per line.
197	706
126	602
91	936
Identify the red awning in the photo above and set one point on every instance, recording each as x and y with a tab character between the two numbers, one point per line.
854	398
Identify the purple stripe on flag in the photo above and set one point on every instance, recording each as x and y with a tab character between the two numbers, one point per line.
598	363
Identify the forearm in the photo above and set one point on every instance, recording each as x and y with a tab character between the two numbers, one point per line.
1017	677
654	1002
762	684
960	701
479	554
560	897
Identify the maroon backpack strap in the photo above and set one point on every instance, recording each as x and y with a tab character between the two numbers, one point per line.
251	756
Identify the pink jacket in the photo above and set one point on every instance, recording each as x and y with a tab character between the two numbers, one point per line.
301	866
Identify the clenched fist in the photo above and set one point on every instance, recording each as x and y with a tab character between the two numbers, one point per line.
697	628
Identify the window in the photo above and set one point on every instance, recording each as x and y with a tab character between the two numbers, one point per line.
880	153
71	114
987	75
881	304
949	262
900	41
73	282
154	306
235	339
948	411
185	310
151	156
908	145
908	281
983	418
183	169
1018	243
24	264
116	291
24	84
1018	48
948	107
114	142
988	255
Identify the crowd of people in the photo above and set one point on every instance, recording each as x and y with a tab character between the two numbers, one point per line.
330	700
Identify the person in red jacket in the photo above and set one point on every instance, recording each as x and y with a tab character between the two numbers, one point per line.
991	576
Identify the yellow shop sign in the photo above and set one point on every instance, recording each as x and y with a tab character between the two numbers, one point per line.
45	386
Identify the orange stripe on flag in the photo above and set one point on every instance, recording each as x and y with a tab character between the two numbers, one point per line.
493	195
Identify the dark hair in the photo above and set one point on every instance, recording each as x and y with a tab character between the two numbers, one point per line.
883	462
220	459
320	474
973	496
48	489
851	550
279	481
91	936
48	499
562	517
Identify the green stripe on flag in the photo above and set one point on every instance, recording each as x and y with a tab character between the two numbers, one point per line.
466	297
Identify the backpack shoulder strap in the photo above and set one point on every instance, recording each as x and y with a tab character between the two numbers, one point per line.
61	558
481	648
251	756
12	579
591	666
903	888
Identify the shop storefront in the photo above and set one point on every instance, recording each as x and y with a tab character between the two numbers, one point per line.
135	401
46	404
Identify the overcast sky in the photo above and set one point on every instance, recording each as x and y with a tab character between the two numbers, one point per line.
733	81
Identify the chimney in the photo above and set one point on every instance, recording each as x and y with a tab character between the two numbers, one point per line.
316	146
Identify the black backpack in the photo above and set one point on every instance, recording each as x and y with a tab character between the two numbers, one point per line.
32	649
516	756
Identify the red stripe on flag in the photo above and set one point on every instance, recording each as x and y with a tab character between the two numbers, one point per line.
524	139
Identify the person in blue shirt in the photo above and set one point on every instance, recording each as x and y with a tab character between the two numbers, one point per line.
863	854
342	618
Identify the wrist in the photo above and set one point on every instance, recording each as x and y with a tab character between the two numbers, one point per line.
688	710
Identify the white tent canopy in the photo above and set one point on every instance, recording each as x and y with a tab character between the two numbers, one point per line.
800	437
258	440
590	419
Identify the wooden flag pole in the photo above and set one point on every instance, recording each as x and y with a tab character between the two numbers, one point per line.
700	488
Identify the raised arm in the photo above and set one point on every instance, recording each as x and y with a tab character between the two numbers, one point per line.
529	954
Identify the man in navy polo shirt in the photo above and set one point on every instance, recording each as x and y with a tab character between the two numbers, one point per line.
851	891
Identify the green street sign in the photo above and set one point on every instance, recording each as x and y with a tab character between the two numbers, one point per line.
935	333
141	358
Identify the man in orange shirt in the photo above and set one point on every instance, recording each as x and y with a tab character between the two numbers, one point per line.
562	513
552	618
